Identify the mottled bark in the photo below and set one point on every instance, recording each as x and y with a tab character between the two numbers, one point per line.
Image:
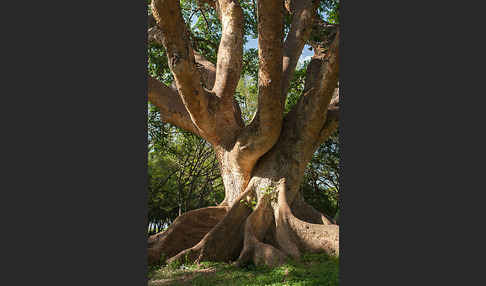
261	134
197	100
230	52
302	18
263	131
187	230
263	217
305	212
207	70
171	107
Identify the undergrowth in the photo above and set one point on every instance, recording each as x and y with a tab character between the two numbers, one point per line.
312	269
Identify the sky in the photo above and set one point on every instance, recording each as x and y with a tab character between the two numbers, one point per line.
253	43
306	53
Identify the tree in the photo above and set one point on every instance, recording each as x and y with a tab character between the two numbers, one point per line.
183	176
320	187
263	218
183	173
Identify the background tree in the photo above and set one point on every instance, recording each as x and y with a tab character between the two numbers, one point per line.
183	173
262	158
320	186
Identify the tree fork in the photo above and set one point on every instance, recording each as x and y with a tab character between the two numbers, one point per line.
262	162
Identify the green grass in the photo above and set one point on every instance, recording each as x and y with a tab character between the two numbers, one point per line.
312	269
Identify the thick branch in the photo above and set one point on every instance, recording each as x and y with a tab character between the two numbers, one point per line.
332	119
230	52
300	31
168	15
333	108
270	24
321	82
172	110
263	132
206	69
151	22
322	34
331	124
310	120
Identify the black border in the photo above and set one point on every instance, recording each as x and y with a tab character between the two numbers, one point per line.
74	125
75	174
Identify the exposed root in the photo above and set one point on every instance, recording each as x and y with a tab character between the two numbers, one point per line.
184	232
315	237
266	254
286	241
256	227
295	235
306	212
268	235
225	240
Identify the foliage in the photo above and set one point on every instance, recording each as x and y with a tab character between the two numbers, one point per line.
247	96
182	172
321	180
158	63
296	86
183	175
330	8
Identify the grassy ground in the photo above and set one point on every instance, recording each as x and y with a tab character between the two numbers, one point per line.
312	269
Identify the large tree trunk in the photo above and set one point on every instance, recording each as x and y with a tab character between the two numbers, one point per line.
267	219
263	218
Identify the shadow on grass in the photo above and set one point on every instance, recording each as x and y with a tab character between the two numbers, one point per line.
312	269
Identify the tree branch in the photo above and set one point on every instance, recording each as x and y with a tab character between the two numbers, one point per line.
207	69
172	110
331	124
324	83
151	22
313	119
300	30
333	108
263	131
167	14
270	30
230	52
322	34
